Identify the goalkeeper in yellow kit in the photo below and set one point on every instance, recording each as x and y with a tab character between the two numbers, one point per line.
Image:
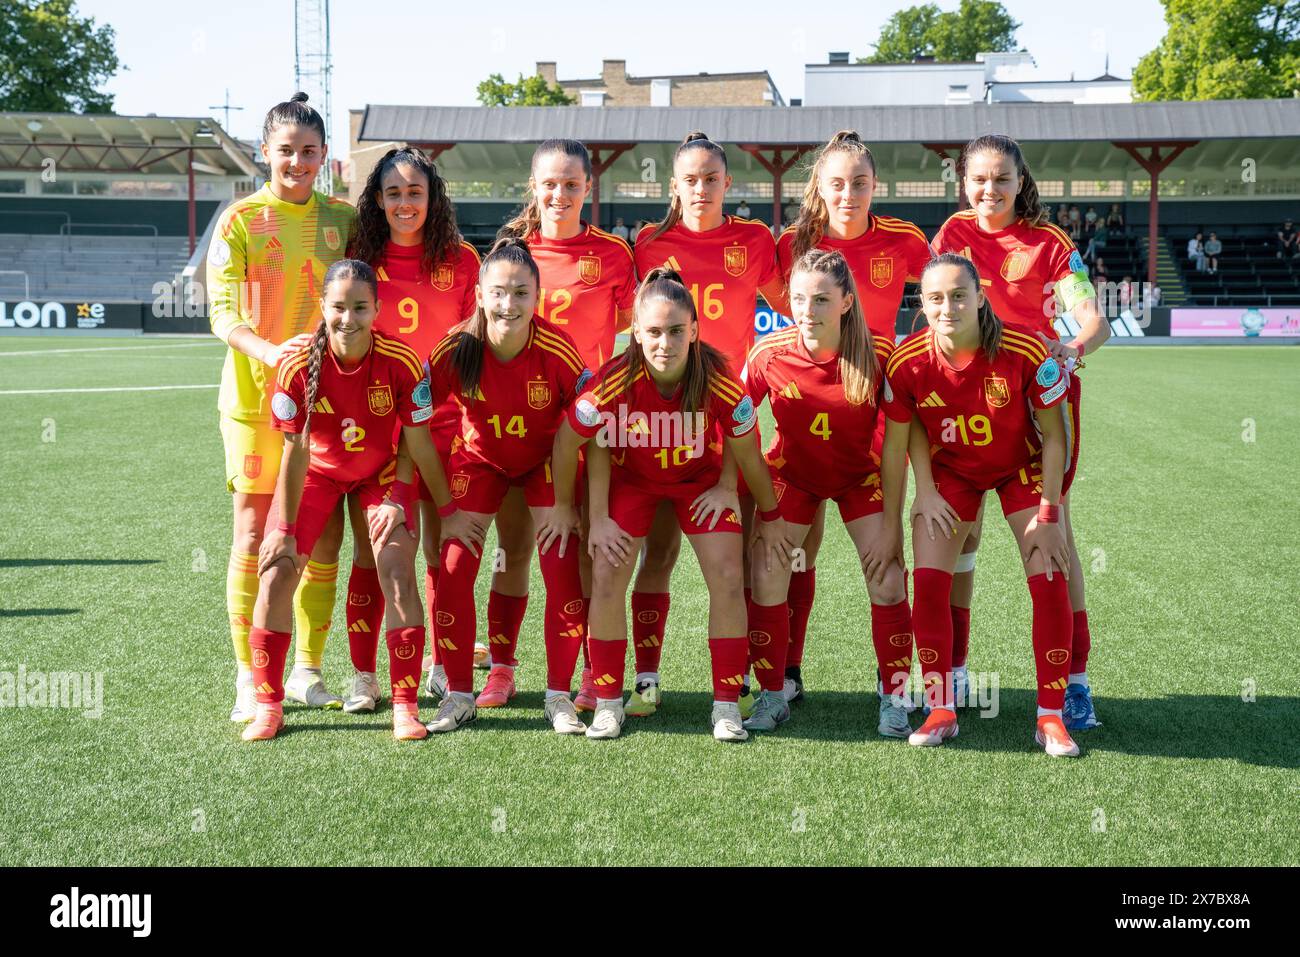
265	267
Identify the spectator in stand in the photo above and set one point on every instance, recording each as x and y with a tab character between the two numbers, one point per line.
1287	246
1098	241
791	213
1099	272
620	229
1115	220
1091	218
1125	293
1212	250
1153	296
1076	223
743	210
1196	252
1063	217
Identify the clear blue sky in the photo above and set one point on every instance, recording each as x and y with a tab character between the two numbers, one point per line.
182	56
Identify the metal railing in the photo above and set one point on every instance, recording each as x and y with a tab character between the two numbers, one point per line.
27	280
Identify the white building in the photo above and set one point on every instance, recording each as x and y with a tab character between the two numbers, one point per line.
992	78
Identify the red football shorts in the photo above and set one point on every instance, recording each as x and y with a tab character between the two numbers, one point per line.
1020	490
799	506
632	504
480	487
320	495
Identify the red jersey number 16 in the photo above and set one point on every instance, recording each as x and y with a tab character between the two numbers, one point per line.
710	307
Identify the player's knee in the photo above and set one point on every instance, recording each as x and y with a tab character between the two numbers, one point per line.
660	558
890	591
279	582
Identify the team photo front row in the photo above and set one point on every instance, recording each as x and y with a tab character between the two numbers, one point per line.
381	376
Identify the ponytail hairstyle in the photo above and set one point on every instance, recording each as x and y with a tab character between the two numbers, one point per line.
441	236
1028	206
693	141
529	219
990	325
467	354
342	269
703	362
810	226
293	112
859	368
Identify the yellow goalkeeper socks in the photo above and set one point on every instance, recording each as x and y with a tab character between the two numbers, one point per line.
313	606
241	596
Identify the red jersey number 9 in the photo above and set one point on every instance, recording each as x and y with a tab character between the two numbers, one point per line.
559	300
408	308
710	307
353	434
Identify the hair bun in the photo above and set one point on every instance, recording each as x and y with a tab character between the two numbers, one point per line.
846	136
299	97
664	272
694	135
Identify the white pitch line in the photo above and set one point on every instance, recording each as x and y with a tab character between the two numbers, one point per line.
129	388
50	352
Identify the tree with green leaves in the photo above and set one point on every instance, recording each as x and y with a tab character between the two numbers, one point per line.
527	91
1223	50
976	26
53	61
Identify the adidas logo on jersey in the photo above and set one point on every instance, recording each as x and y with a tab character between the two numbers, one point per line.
323	406
932	401
791	391
478	394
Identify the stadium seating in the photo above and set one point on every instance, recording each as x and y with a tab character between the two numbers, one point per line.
88	267
1250	274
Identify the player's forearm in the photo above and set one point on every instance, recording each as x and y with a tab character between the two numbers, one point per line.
727	478
599	468
293	474
918	452
757	477
405	472
893	467
564	463
1094	329
420	447
243	339
1053	428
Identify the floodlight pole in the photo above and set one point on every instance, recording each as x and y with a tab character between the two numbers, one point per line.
189	196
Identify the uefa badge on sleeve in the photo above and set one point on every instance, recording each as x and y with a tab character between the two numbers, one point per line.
285	409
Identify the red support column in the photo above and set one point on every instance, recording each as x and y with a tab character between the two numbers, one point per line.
603	156
942	150
1154	163
778	166
189	202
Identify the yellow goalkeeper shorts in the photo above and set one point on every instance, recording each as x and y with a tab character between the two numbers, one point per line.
253	451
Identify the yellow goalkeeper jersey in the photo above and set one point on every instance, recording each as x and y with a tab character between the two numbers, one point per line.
266	264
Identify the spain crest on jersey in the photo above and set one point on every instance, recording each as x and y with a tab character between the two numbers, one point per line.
1015	266
252	466
996	392
459	485
589	269
380	398
443	277
539	394
331	234
882	272
735	259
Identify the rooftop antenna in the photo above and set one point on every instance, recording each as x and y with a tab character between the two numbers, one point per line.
225	108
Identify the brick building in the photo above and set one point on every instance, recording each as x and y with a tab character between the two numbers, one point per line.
614	87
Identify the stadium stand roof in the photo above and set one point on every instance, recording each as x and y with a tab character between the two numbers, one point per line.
1215	119
108	143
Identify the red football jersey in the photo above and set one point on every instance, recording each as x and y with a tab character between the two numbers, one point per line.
890	254
1024	269
724	269
648	436
357	411
511	420
822	443
420	309
980	419
586	280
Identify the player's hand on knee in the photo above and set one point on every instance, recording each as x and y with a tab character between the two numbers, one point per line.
466	529
276	546
607	540
935	513
383	520
714	504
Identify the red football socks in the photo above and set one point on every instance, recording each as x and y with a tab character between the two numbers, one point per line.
505	616
769	635
729	658
891	634
365	616
1052	638
268	650
405	650
960	634
430	602
608	662
932	625
565	617
1082	644
454	620
649	613
803	586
